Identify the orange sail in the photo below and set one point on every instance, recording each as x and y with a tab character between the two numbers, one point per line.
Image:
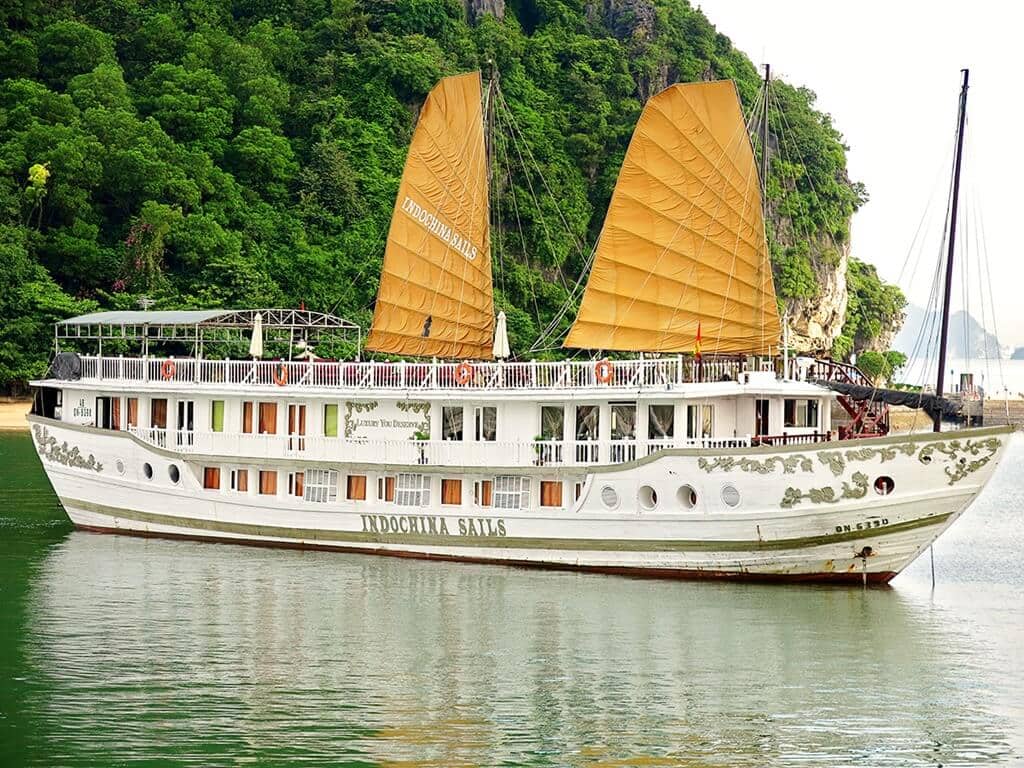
435	296
682	254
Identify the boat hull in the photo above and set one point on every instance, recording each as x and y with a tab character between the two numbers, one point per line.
808	513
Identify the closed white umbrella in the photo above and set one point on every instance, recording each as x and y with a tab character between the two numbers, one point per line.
501	349
256	342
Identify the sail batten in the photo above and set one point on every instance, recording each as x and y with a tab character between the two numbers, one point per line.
683	249
436	296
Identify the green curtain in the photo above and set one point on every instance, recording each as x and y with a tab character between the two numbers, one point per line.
331	420
217	416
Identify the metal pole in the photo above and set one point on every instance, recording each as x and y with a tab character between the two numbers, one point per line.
937	426
764	136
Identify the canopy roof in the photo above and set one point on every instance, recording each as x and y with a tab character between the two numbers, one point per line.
190	325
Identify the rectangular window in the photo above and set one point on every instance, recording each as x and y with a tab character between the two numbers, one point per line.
321	486
412	490
268	418
331	420
211	478
451	492
587	422
487	423
115	413
247	417
296	427
217	416
552	422
483	493
550	493
296	484
103	413
800	413
133	411
356	488
661	422
623	421
386	489
511	492
700	421
158	413
451	422
577	490
268	482
240	480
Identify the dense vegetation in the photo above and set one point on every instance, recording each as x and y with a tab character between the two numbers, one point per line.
247	152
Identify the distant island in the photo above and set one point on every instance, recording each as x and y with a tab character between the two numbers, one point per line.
1018	354
968	338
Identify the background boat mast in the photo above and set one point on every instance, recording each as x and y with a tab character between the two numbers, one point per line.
961	119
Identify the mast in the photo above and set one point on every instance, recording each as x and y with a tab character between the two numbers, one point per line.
961	119
764	140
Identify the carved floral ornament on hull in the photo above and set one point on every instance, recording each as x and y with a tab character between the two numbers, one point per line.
69	456
962	457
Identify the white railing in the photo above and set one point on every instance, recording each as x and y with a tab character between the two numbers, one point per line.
657	373
447	453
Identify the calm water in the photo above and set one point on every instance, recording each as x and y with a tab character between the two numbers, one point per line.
122	651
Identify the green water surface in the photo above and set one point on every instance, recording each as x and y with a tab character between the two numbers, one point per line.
130	652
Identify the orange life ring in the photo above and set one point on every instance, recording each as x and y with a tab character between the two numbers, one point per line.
463	372
168	369
604	371
280	375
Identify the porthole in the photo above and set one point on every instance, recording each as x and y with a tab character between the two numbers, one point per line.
648	497
884	485
730	496
686	496
173	473
609	497
147	470
119	464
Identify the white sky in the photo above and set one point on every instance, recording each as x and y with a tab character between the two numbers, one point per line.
889	74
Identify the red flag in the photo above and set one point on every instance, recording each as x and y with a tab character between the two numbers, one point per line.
696	346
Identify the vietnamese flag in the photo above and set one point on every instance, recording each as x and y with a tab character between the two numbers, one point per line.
696	345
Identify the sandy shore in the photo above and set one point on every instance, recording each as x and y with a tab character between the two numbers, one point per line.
12	414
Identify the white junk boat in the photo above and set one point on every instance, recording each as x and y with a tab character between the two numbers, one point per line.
665	463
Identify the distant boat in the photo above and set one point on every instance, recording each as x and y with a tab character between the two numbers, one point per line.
700	454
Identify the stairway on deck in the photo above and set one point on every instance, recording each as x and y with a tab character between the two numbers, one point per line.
867	418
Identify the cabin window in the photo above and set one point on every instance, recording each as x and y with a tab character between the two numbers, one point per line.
451	492
483	493
511	492
133	411
386	489
487	423
217	416
355	488
240	480
296	484
268	418
247	408
800	413
321	486
268	482
661	422
451	423
588	419
550	493
158	413
577	491
211	478
331	420
623	421
552	422
700	421
412	490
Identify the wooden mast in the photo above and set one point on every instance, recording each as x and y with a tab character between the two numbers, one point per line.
961	118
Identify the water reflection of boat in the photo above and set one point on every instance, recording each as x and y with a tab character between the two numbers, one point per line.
177	647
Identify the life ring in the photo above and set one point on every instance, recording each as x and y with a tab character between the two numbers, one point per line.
168	369
463	373
280	375
604	371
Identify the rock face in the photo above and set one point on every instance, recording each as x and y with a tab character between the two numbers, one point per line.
815	322
476	9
